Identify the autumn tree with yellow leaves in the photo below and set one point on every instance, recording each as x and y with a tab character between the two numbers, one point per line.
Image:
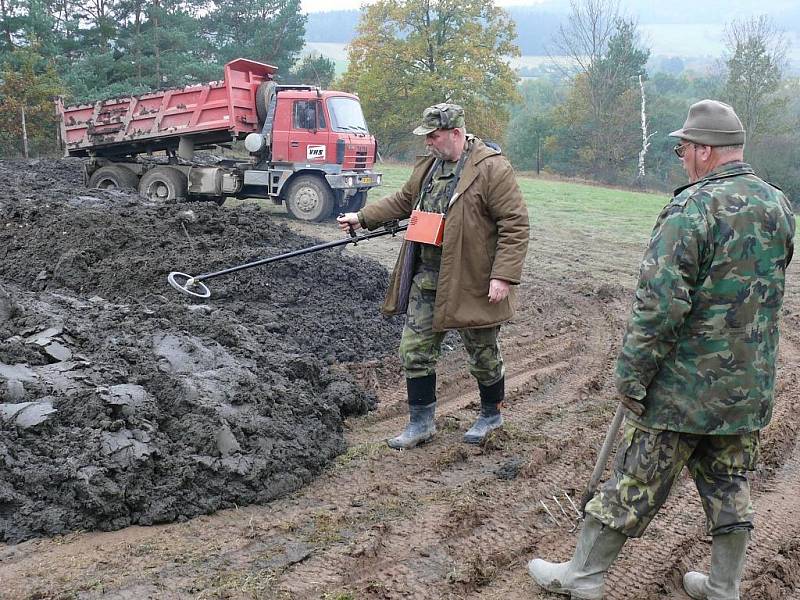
409	54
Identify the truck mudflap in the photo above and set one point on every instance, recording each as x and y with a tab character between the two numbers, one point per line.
352	180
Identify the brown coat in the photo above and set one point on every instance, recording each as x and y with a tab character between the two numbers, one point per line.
485	237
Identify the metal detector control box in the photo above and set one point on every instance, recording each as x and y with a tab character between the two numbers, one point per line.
426	227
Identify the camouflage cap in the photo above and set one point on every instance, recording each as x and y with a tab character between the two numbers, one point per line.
440	116
711	123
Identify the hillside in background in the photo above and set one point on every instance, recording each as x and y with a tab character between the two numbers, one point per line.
665	29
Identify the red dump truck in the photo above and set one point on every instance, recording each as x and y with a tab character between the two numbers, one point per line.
309	149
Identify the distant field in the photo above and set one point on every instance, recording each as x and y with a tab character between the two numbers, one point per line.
707	44
335	52
570	208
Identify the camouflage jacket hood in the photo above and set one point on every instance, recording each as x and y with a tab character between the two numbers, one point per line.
701	343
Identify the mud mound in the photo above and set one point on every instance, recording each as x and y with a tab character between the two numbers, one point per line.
123	401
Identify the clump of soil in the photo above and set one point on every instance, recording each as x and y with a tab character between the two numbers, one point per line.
123	401
780	579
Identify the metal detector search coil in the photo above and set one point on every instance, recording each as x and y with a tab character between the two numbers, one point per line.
188	285
426	227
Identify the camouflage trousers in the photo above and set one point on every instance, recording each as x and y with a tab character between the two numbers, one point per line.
420	346
648	462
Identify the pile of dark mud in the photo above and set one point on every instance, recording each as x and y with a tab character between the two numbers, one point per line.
123	401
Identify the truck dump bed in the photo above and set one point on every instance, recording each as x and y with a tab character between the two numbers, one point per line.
208	114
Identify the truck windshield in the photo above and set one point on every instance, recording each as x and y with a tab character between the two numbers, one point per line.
346	115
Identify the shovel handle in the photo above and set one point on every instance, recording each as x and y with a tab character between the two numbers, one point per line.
602	457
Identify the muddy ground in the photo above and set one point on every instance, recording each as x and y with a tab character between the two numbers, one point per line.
125	402
442	521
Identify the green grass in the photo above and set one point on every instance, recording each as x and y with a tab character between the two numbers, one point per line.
571	208
580	207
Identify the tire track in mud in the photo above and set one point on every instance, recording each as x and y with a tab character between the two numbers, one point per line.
653	566
676	540
533	359
777	495
447	520
417	556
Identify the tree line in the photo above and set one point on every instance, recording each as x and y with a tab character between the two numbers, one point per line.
596	113
93	49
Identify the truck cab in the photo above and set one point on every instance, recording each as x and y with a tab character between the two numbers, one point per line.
318	145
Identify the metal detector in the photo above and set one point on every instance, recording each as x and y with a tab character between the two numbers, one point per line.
194	286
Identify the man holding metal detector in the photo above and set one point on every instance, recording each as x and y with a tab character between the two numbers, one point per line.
461	259
696	372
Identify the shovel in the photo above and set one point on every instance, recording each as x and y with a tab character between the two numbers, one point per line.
194	286
602	458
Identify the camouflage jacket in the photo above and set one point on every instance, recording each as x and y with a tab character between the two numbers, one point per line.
700	347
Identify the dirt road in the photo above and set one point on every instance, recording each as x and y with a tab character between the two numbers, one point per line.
447	520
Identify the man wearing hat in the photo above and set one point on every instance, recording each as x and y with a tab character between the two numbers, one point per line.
466	282
696	372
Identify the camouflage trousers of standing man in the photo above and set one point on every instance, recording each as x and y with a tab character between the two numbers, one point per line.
420	346
647	463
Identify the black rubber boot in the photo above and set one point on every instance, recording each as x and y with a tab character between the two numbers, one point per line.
421	410
490	417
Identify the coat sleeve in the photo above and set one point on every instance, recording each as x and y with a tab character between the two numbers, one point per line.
399	204
510	214
667	278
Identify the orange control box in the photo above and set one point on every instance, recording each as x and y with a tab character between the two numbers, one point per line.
425	227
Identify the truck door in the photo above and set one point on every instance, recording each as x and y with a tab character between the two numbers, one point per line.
308	140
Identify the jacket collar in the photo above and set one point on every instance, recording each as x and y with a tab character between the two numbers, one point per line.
730	169
478	151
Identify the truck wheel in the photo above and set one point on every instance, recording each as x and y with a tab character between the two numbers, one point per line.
357	202
309	198
113	177
264	94
163	184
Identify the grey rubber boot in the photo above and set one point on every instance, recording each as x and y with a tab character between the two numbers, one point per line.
582	577
489	417
727	563
421	410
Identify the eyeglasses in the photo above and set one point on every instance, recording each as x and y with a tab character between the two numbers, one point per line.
680	149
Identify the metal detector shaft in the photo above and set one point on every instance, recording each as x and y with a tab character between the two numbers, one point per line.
318	247
190	282
602	457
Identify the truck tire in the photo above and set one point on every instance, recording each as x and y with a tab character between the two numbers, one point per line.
357	202
163	184
309	198
113	177
264	94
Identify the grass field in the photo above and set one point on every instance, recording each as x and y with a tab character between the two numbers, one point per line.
571	208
